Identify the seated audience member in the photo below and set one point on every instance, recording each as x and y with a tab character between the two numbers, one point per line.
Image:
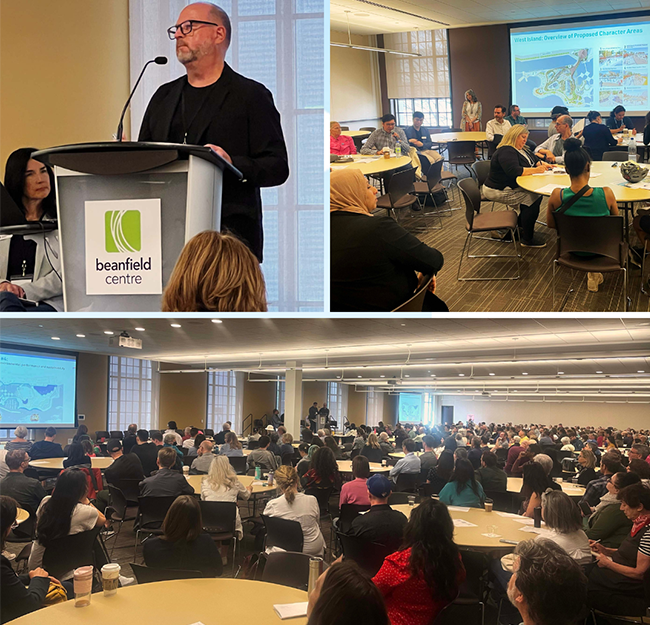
490	476
204	458
21	594
183	545
67	511
287	445
445	467
618	121
496	128
529	451
263	457
130	439
34	256
516	117
220	438
564	525
597	137
410	463
388	136
189	441
344	594
534	485
381	524
641	468
187	434
303	464
166	482
356	491
255	436
419	137
552	150
340	144
146	451
76	457
428	459
296	506
513	453
637	452
274	446
215	272
556	113
193	451
608	523
424	576
463	489
594	202
616	585
475	453
330	443
170	442
124	467
371	449
172	429
232	446
25	490
609	464
547	464
374	260
222	484
20	441
566	444
385	445
360	439
46	448
509	162
323	471
587	462
157	439
548	586
82	433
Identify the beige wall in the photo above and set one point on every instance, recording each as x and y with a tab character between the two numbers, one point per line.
355	99
313	392
356	406
259	399
64	68
183	398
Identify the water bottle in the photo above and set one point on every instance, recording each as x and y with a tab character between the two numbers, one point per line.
271	476
258	472
398	150
631	149
315	570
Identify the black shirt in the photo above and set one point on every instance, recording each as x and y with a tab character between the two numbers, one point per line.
22	257
381	524
200	555
423	135
25	490
126	467
148	454
166	483
20	595
506	165
46	449
193	112
129	442
598	138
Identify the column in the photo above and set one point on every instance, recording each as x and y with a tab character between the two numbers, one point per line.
293	399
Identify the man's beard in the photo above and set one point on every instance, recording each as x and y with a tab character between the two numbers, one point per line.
185	55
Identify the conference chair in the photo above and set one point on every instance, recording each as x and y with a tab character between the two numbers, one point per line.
618	156
282	533
99	434
368	555
601	236
400	498
116	434
347	514
287	568
432	186
646	253
116	511
368	128
485	222
253	445
407	482
416	301
345	127
482	171
130	489
502	501
208	433
151	514
146	575
238	463
70	552
400	192
287	459
219	520
461	153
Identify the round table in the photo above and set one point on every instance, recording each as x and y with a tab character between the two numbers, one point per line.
378	165
400	454
21	516
246	480
57	463
169	603
446	137
573	490
355	133
345	466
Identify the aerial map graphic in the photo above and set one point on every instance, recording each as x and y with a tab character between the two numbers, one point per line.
27	403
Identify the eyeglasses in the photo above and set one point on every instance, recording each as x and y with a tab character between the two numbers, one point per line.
187	27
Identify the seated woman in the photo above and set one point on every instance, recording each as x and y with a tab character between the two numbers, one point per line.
608	523
20	441
355	492
463	489
372	449
618	121
296	506
509	162
616	585
534	485
340	144
183	545
287	445
594	202
232	446
21	594
424	576
215	272
76	457
587	462
323	471
330	443
193	451
597	136
374	261
30	268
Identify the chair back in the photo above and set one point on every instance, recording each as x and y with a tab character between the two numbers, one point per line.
494	144
26	530
208	432
70	552
130	489
283	533
239	464
434	174
368	555
153	511
368	128
287	459
482	171
287	568
374	455
472	197
253	445
595	235
615	156
323	496
219	517
407	482
99	434
348	513
461	152
118	502
503	501
399	498
401	184
502	455
145	575
414	303
116	434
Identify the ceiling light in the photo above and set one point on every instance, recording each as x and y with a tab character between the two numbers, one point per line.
523	373
217	321
492	374
461	375
359	376
382	376
139	329
640	371
108	332
407	376
598	371
433	375
81	336
560	372
176	325
56	338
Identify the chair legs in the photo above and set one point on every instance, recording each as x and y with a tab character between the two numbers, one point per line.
646	251
467	245
626	301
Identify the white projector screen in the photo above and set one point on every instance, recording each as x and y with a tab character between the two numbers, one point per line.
584	66
410	408
37	388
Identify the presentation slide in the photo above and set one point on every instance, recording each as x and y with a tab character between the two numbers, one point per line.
584	66
410	407
37	389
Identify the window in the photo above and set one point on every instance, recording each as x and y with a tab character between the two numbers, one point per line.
374	407
132	397
224	400
279	395
335	400
279	43
437	111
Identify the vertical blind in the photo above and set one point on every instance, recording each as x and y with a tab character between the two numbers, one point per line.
279	43
374	407
225	390
132	393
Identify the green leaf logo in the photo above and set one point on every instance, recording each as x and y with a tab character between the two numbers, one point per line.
123	231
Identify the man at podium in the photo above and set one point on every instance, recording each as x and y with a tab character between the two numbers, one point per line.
214	106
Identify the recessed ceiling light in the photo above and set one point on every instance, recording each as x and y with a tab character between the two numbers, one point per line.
492	374
514	391
359	376
560	372
217	321
176	325
81	336
382	376
433	375
407	376
108	332
640	371
523	373
402	324
461	375
56	338
139	329
598	371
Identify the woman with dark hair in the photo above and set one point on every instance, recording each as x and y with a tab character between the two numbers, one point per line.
232	446
356	491
323	470
344	594
184	545
76	457
82	430
194	449
29	264
535	484
67	511
597	136
618	121
420	579
445	467
463	489
330	443
581	200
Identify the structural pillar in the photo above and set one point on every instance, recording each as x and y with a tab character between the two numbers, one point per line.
293	399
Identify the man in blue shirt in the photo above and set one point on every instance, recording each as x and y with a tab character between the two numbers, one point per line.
409	464
419	137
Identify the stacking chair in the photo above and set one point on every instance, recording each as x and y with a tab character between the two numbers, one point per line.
347	514
283	533
461	153
287	568
431	186
416	301
146	575
239	464
486	222
70	552
603	236
219	519
468	607
130	489
208	433
151	514
117	510
400	192
116	434
399	498
345	127
617	156
368	128
502	501
368	555
99	434
407	483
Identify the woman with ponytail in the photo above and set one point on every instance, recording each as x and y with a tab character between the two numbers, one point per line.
420	579
592	202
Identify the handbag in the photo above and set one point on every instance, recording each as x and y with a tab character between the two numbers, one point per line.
55	594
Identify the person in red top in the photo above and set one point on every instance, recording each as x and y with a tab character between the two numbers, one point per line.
340	144
356	491
420	579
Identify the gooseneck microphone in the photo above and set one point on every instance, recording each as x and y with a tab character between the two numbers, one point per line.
159	60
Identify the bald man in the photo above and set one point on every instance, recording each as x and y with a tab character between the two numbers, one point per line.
214	106
552	150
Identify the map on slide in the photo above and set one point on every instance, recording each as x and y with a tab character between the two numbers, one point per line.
555	78
22	402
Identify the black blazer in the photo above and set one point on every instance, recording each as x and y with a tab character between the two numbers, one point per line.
598	138
373	262
20	595
506	165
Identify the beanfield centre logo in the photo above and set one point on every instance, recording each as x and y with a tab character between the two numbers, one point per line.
123	232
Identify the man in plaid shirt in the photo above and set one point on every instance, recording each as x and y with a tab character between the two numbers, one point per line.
610	464
386	137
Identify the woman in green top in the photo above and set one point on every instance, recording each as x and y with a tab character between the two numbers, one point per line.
596	202
462	488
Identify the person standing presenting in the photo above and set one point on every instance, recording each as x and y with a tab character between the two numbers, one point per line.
472	112
214	106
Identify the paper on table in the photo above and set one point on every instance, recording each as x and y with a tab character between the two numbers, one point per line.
492	535
291	610
508	514
534	530
463	523
257	483
593	175
637	185
556	171
458	508
524	520
549	188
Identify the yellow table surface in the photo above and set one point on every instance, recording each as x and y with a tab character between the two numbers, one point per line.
378	165
345	466
506	527
573	490
246	480
355	133
610	177
445	137
57	463
170	603
22	516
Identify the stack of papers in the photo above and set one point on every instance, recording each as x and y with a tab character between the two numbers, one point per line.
549	188
509	514
463	523
291	610
458	508
534	530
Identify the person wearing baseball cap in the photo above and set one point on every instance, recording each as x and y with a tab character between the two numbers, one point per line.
124	467
381	524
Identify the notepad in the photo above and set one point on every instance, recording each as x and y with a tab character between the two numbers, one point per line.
534	530
291	610
549	188
524	520
458	508
463	523
508	514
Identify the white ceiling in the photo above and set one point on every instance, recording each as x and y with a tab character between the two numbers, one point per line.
393	16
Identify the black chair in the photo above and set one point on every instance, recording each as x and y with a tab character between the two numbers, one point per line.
151	514
502	501
130	489
431	187
461	153
400	498
239	464
368	555
617	156
99	434
347	514
208	432
146	575
415	303
482	171
116	512
400	192
188	460
253	445
407	482
70	552
502	456
116	434
287	568
373	455
283	533
468	607
219	520
287	459
24	533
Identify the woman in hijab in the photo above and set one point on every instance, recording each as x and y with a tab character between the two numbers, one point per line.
374	261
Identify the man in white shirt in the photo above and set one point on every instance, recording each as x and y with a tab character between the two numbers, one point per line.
171	429
499	125
189	442
552	150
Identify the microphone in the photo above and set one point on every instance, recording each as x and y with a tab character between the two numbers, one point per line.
159	60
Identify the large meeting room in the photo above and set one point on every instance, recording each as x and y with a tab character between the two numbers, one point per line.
475	125
325	471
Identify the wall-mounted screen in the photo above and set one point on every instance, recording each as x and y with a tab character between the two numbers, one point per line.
410	407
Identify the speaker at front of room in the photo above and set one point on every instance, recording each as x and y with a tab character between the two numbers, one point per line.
447	415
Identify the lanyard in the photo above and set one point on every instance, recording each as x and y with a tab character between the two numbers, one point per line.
186	126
